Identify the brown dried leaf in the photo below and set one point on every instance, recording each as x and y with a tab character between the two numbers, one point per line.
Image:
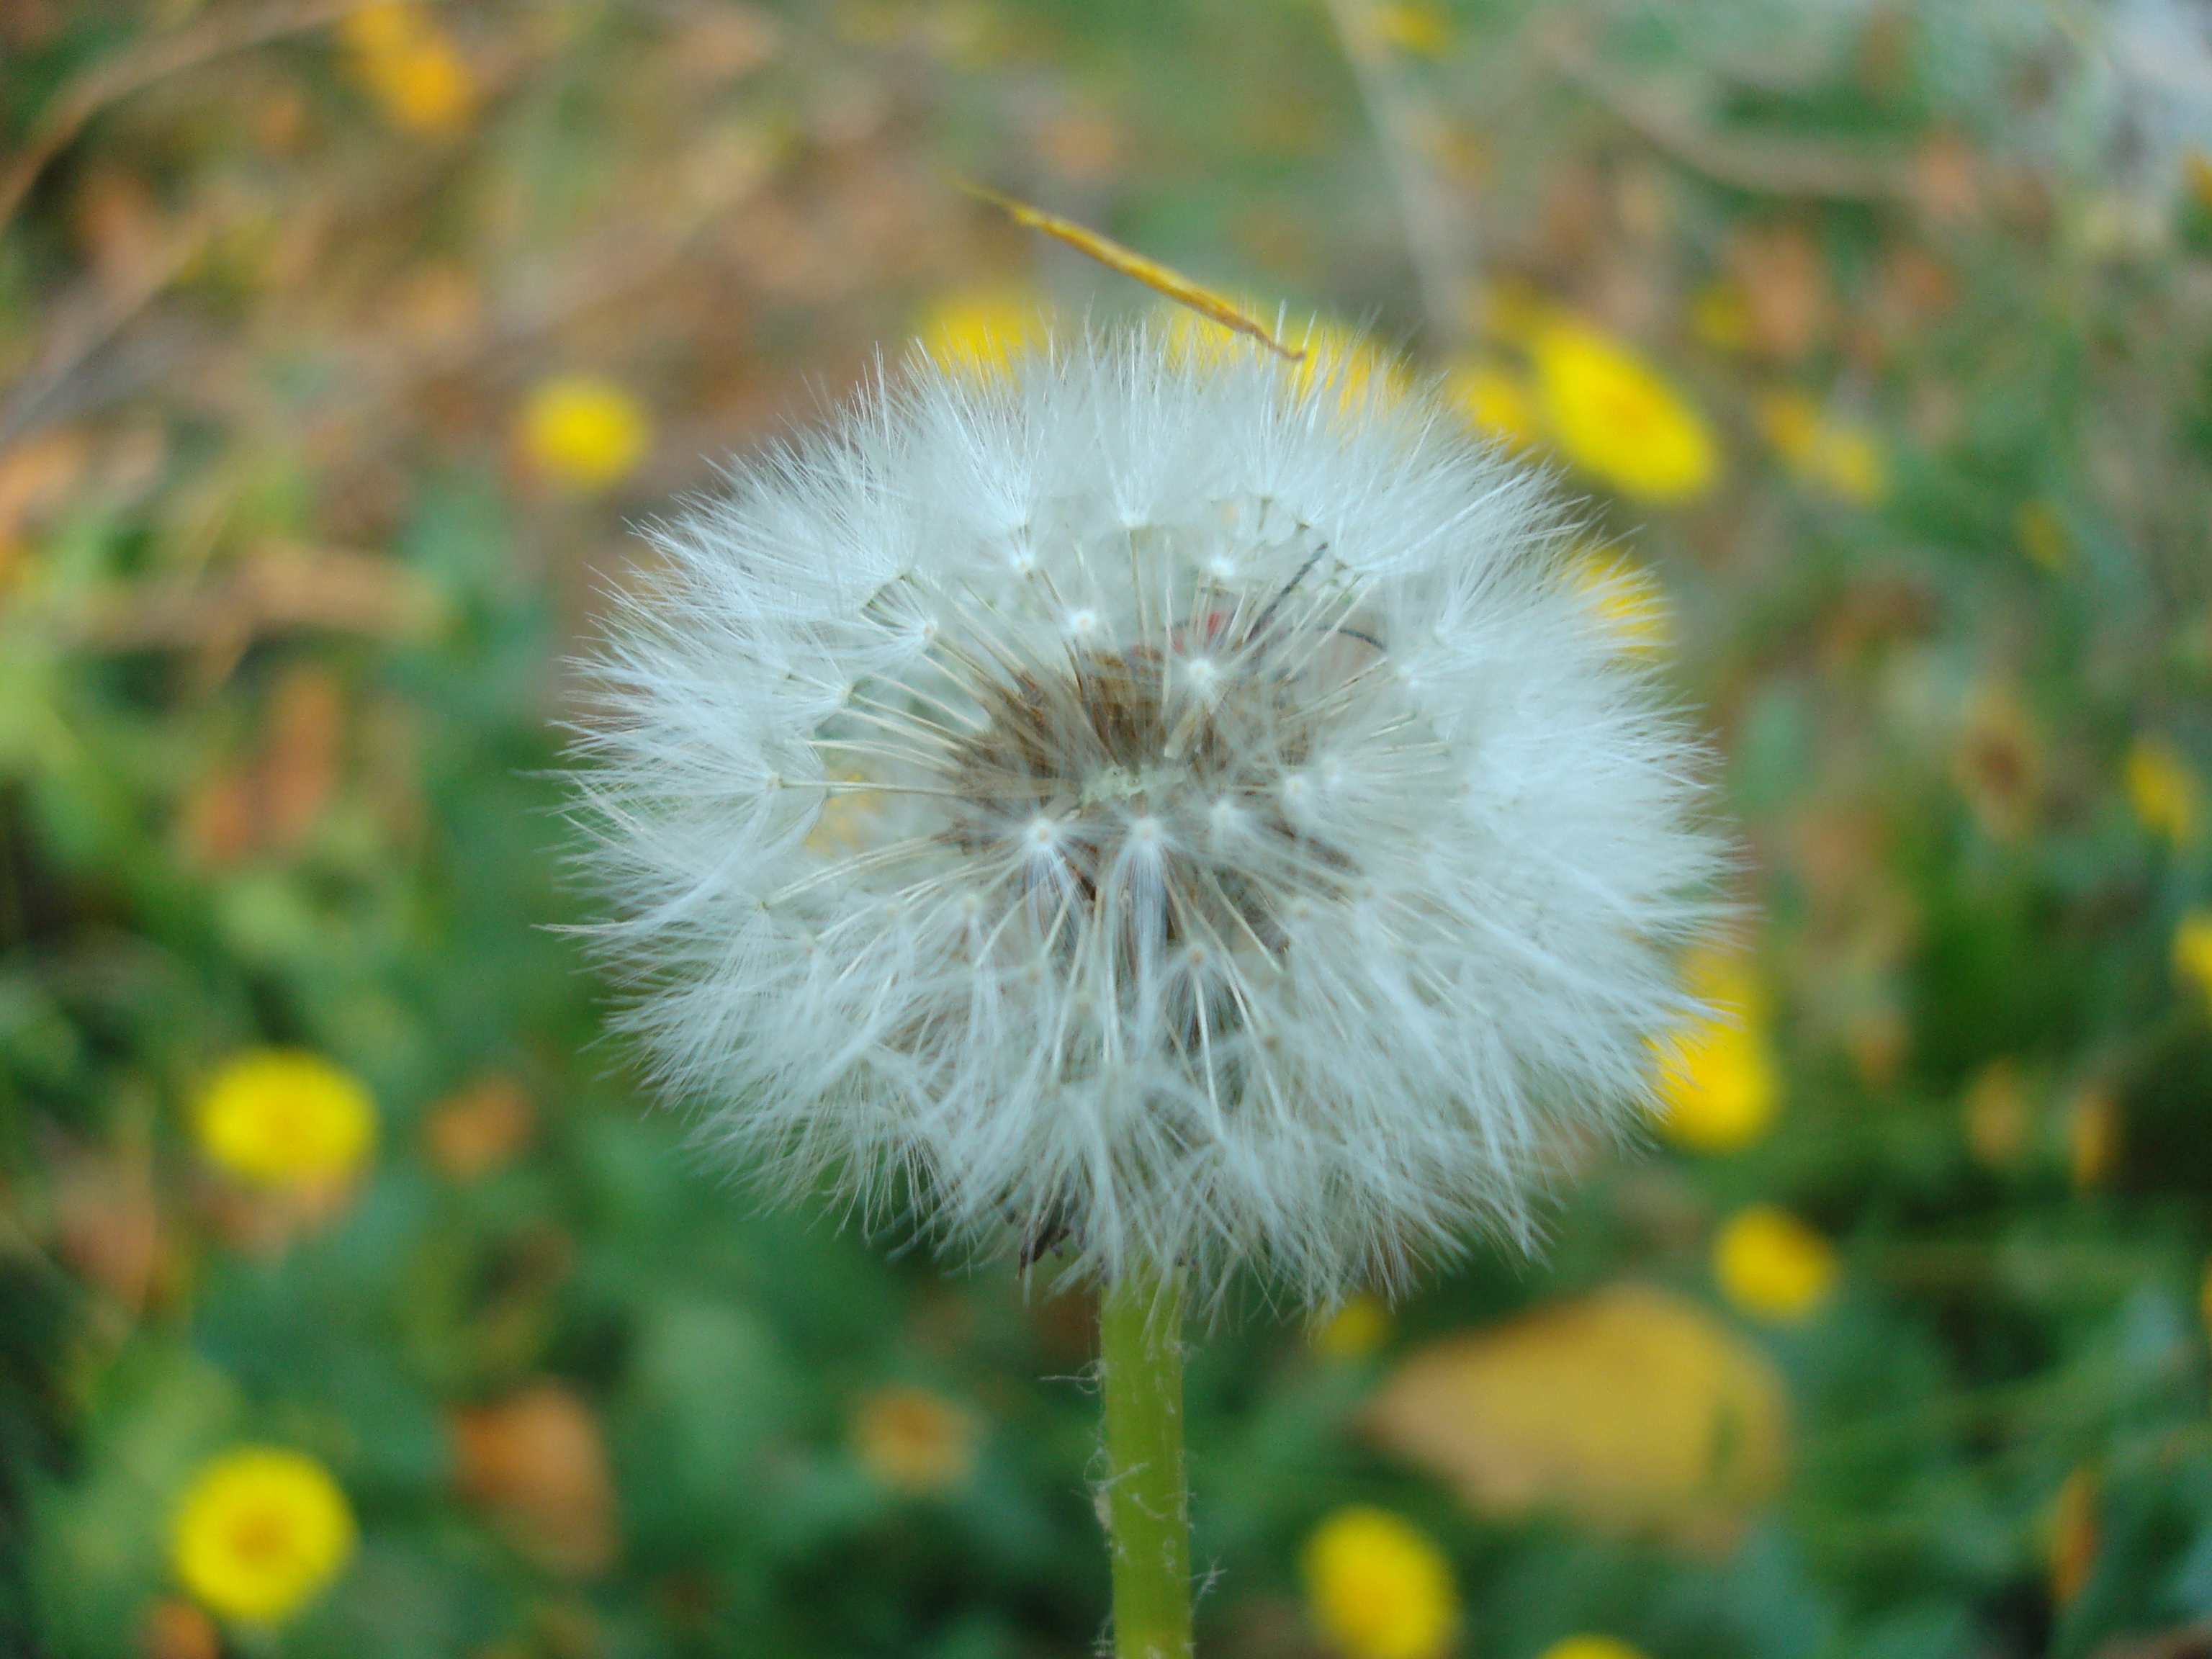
480	1128
537	1462
1631	1410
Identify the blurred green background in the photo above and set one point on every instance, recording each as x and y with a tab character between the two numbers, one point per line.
339	343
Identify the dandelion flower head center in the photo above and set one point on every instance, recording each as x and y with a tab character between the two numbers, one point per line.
1140	822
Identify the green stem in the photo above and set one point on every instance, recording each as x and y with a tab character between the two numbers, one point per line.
1147	1499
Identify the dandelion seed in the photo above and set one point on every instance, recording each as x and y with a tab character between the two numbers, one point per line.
1276	869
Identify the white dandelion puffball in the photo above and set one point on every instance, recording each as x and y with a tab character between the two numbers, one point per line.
1152	804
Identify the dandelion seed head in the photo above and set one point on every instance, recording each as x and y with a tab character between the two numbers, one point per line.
1244	850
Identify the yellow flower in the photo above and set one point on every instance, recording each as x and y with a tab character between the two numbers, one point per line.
913	1441
1498	402
1591	1647
1614	417
2192	951
1378	1587
1353	1331
1717	1086
981	331
410	66
585	432
2042	536
260	1532
1840	457
284	1117
1627	597
2162	789
1357	365
1771	1266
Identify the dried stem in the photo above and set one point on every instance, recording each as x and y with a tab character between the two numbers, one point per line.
1439	233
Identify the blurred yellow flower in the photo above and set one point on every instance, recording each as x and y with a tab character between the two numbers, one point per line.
2042	536
1378	1587
411	66
981	330
283	1117
2192	951
1614	417
1498	402
1355	1330
1422	30
260	1532
1591	1647
1717	1085
2162	790
1771	1266
1840	457
1627	597
585	432
914	1442
1357	364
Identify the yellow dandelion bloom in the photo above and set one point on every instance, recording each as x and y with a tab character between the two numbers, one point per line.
585	432
2162	790
410	66
1591	1647
1354	1331
1614	417
981	330
283	1117
260	1532
1719	1089
1771	1266
914	1442
2192	952
1627	597
1839	457
1499	402
1378	1587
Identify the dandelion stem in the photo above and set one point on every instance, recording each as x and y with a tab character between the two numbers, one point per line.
1147	1497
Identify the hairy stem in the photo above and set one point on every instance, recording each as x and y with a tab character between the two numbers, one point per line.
1147	1497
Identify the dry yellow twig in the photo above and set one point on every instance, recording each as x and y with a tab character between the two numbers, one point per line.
1161	279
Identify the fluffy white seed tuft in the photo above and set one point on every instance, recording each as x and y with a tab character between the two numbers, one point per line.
1153	804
